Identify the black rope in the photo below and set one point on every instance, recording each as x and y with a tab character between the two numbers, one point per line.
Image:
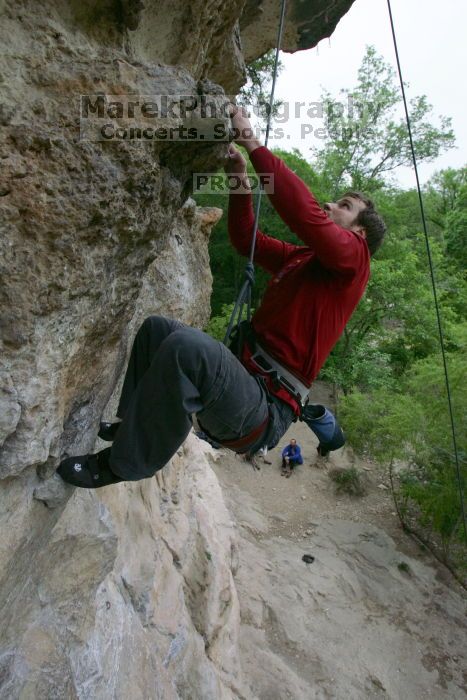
433	282
244	296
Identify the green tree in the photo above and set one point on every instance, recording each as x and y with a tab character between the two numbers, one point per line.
442	193
412	425
256	92
456	230
366	136
217	325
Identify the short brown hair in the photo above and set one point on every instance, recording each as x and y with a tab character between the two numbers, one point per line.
370	220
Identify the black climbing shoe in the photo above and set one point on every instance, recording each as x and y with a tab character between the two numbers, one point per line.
88	471
108	431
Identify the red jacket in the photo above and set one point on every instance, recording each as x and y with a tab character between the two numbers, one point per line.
314	288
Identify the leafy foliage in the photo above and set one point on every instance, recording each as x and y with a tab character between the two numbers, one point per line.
412	424
217	325
256	92
366	132
456	229
348	481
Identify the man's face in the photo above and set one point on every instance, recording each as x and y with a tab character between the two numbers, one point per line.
293	442
345	211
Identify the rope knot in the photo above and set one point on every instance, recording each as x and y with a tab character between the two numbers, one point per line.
250	274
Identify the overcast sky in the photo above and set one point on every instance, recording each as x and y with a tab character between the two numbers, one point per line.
433	52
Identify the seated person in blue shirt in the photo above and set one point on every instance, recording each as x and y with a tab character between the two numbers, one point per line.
291	455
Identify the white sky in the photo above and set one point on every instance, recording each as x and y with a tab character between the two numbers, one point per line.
432	40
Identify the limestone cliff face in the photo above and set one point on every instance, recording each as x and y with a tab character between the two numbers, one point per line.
125	592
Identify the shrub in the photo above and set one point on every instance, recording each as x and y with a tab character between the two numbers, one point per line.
348	481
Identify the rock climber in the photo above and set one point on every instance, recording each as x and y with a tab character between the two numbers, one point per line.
176	371
291	456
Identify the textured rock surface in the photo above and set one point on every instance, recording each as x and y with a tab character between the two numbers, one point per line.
125	593
215	38
305	24
350	625
372	616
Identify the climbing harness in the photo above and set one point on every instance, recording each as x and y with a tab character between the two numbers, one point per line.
432	274
317	417
267	367
279	374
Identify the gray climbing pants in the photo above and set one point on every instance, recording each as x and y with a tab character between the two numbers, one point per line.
175	371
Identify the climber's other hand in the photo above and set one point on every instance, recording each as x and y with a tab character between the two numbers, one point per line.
243	132
235	162
240	123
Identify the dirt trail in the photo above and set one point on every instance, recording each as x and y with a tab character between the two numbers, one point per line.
373	616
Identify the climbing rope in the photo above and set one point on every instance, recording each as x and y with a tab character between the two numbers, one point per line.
432	274
244	295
